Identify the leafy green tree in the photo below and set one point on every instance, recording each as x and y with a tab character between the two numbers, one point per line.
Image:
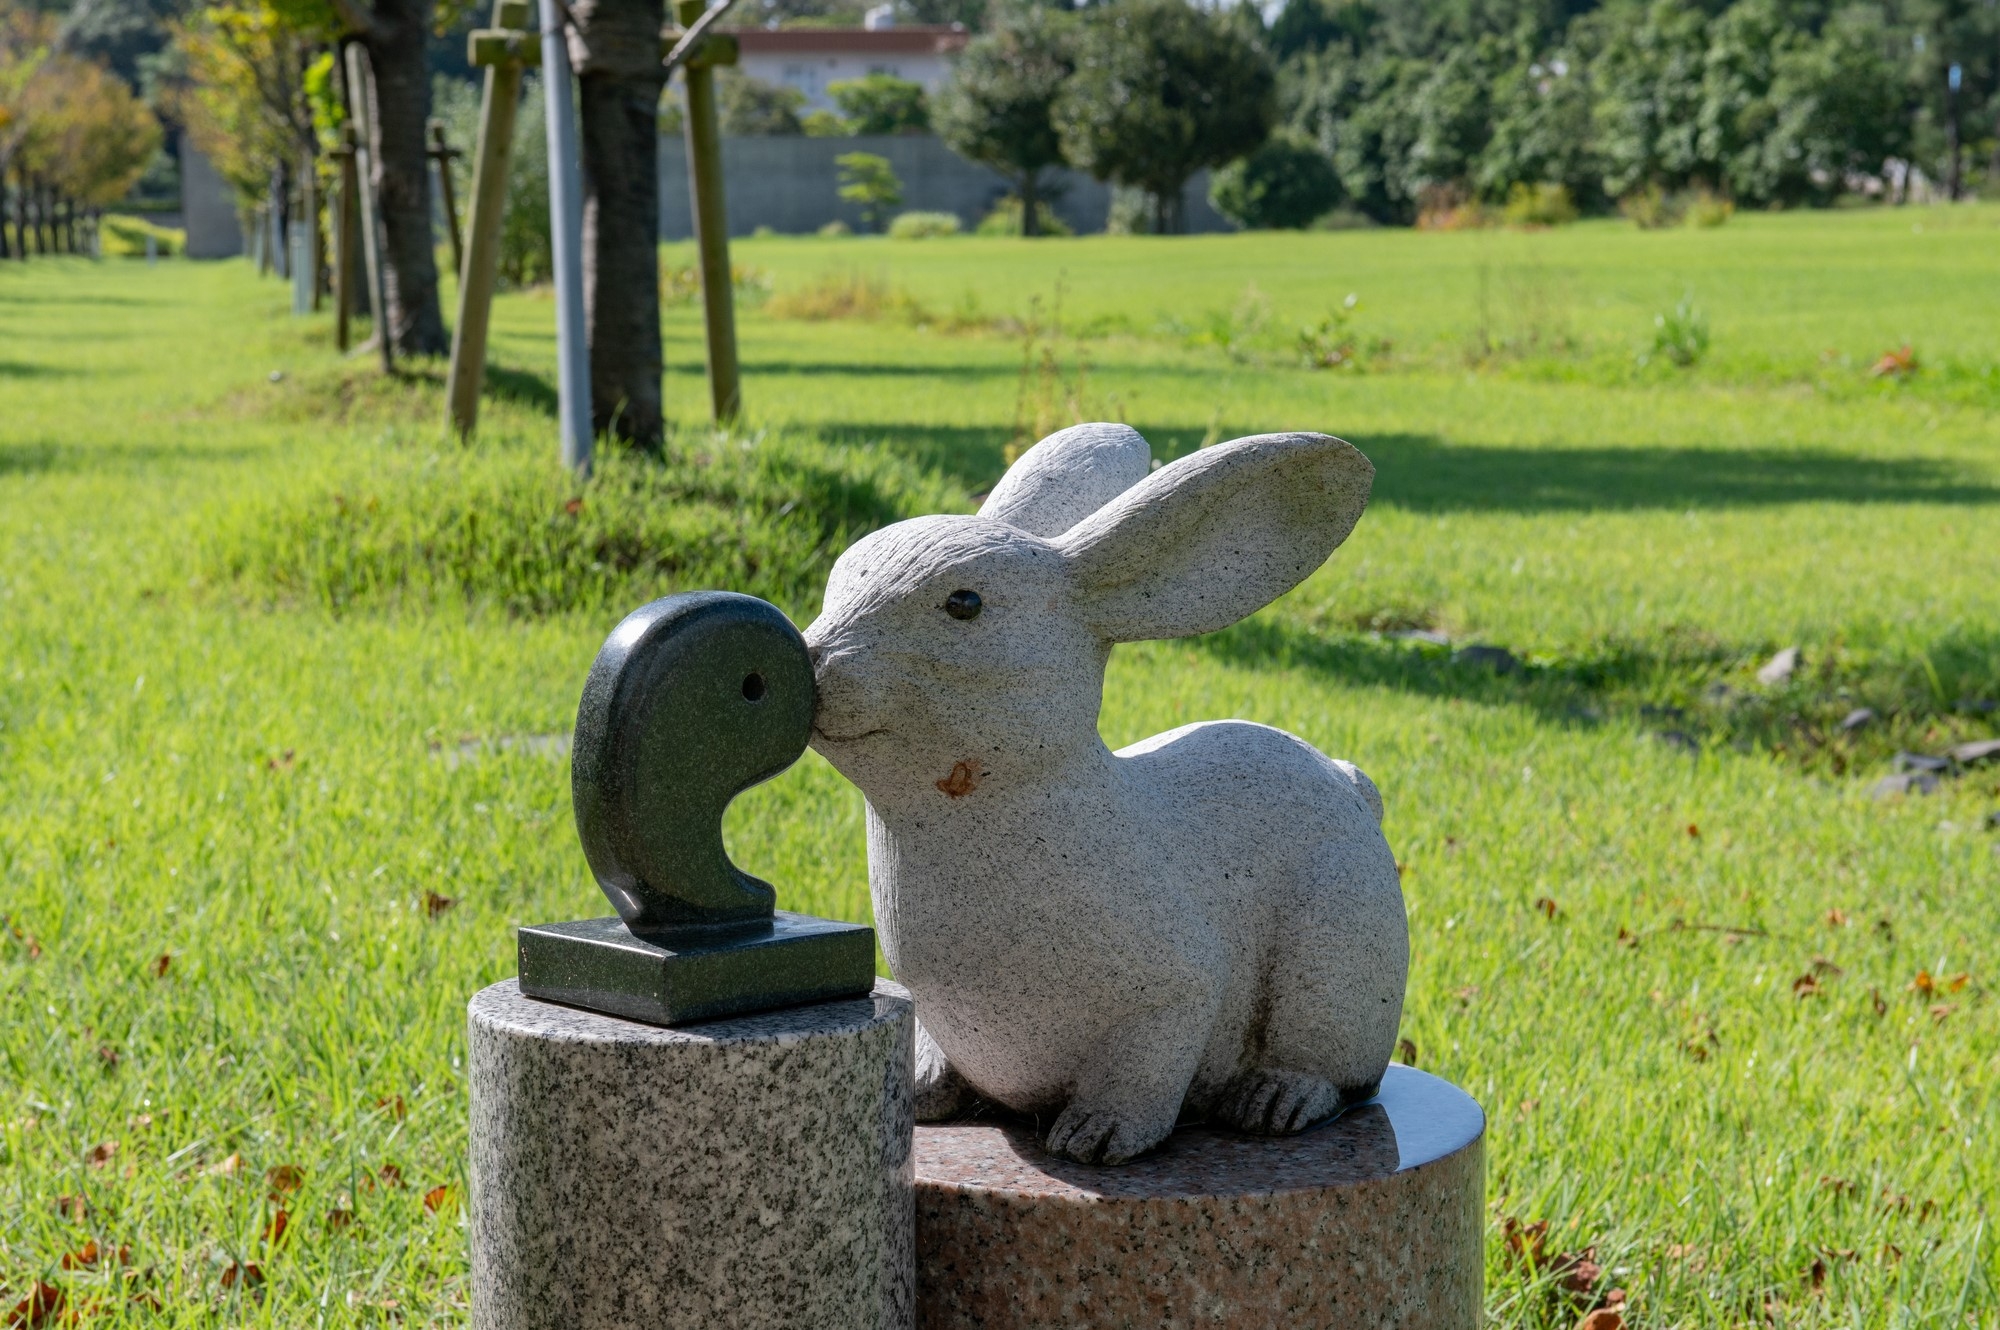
870	182
881	104
1544	130
1284	184
1162	90
996	108
754	108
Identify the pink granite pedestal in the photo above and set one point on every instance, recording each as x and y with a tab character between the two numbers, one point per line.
1375	1219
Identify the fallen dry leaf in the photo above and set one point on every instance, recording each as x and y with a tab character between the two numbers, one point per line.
1694	832
1525	1241
284	763
1816	1276
1805	986
1604	1318
101	1153
435	905
1407	1050
249	1272
338	1219
72	1208
1923	983
392	1176
1875	1000
1836	918
284	1179
107	1055
274	1232
83	1258
1822	965
1940	1011
437	1198
1957	982
160	966
1838	1186
393	1106
1897	363
44	1303
1546	906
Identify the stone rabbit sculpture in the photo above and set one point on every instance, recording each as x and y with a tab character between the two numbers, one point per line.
1205	925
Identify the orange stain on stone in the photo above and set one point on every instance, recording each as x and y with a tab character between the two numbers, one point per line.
963	780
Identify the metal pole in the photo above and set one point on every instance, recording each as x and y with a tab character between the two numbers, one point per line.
566	233
711	226
480	272
361	87
302	268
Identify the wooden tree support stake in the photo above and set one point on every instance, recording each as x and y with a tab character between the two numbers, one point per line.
711	226
361	95
505	51
443	154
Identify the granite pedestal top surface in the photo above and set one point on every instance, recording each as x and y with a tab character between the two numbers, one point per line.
1372	1219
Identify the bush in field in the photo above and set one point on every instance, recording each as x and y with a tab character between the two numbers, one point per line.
124	237
1286	184
1006	220
1680	335
996	108
1162	90
870	182
512	528
753	108
923	226
1543	204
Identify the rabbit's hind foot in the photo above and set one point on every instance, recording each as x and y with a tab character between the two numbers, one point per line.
1273	1101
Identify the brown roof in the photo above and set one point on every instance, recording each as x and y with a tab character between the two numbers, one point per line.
917	39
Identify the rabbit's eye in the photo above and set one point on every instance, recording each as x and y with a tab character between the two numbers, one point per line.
962	604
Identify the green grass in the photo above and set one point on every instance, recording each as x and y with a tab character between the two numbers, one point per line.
255	739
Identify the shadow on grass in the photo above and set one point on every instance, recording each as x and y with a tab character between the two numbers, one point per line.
32	458
1686	689
21	369
1425	473
521	388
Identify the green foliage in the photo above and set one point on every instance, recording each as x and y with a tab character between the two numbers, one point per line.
1283	184
923	226
751	107
881	104
1680	335
124	237
996	109
1006	216
824	124
1160	91
1541	204
870	182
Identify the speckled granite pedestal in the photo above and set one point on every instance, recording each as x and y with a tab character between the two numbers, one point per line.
1374	1220
751	1173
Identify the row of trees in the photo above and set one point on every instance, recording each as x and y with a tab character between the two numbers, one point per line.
1392	107
73	138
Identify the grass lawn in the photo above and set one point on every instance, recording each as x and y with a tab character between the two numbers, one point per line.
268	642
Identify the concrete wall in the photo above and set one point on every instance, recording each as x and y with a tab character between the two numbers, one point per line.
208	208
790	184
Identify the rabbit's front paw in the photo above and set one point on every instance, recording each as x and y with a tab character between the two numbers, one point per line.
1103	1136
1271	1101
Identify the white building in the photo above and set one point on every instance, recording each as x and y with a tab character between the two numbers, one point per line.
808	59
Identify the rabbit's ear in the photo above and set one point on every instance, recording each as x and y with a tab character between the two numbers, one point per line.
1067	477
1217	535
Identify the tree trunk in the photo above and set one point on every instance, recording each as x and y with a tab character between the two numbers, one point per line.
399	162
616	50
6	246
1167	210
21	192
1031	220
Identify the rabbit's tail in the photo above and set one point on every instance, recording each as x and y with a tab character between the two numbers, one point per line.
1362	786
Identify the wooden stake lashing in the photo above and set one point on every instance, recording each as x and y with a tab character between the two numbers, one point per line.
505	50
443	154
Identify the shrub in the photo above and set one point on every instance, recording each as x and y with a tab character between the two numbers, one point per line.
513	529
835	229
1538	205
881	104
824	124
923	226
869	181
1285	184
1706	208
750	106
124	237
1680	335
1650	208
1005	219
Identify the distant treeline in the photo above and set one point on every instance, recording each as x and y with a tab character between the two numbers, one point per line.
1767	102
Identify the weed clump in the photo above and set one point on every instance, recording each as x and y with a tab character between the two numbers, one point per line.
923	226
1680	335
516	531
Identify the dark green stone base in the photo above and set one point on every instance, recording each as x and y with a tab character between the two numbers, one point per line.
598	964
